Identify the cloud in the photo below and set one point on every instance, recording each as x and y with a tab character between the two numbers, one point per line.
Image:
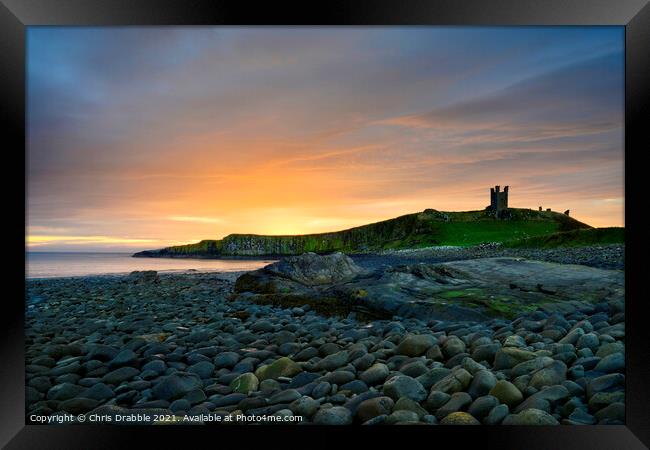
196	219
577	100
172	133
43	240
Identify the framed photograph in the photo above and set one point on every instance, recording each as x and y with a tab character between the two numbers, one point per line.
303	225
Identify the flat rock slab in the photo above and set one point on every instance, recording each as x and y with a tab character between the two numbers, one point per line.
471	290
542	276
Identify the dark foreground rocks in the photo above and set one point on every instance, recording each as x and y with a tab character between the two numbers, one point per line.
477	289
602	256
182	349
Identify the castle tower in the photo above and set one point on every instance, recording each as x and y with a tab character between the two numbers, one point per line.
498	200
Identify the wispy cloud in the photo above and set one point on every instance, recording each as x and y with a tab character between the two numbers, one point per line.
174	133
42	240
196	219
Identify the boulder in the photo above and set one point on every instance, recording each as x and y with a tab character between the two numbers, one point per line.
453	346
483	381
333	361
614	362
404	386
406	404
64	391
126	357
416	344
307	270
142	277
374	407
456	381
245	383
457	402
482	406
507	393
552	374
375	374
509	357
530	417
433	376
283	367
98	391
78	405
304	406
336	415
459	418
117	376
284	397
496	415
311	269
176	385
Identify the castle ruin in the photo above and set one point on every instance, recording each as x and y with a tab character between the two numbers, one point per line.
498	200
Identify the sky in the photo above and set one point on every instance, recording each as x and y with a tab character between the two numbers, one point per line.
143	137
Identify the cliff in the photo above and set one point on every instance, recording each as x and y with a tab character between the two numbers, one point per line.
427	228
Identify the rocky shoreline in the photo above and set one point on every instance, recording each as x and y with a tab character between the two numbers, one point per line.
182	348
606	256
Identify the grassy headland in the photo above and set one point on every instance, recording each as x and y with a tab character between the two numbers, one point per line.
424	229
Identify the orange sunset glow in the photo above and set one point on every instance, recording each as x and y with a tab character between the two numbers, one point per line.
196	133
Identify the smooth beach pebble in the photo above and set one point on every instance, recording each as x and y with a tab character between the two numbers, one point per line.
193	343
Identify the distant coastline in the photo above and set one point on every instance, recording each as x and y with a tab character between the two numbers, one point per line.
78	264
424	229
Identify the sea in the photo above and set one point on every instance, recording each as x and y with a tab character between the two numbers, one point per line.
69	264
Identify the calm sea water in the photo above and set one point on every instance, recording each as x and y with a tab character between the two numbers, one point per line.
51	264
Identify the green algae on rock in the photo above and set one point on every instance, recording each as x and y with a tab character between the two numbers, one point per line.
474	290
283	367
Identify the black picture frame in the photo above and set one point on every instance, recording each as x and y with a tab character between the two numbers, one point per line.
16	15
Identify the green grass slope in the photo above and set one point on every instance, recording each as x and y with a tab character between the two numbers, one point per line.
424	229
574	238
